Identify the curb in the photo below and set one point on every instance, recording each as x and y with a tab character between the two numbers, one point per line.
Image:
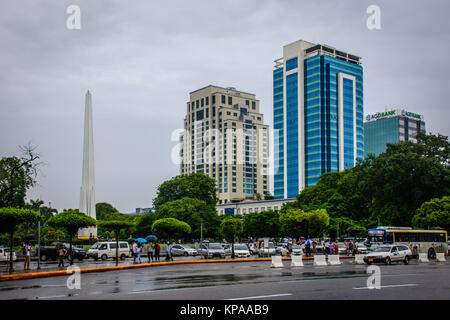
45	274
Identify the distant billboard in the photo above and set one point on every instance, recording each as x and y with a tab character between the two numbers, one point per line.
229	211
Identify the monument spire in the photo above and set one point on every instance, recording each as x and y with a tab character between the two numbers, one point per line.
87	192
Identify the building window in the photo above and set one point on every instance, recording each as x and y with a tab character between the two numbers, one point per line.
230	101
253	105
223	99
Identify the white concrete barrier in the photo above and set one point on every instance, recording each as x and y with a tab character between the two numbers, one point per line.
440	257
276	262
319	260
333	260
297	261
359	259
423	257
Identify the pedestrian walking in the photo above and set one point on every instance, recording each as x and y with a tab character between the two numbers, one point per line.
139	251
61	254
150	252
27	254
169	252
134	251
157	251
336	247
350	248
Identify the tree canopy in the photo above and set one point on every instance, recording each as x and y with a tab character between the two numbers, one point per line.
195	185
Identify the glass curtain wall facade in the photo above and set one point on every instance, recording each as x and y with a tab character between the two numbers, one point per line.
319	115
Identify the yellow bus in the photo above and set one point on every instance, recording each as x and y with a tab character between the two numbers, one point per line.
419	240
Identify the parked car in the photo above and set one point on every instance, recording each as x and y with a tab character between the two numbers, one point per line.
51	252
4	254
241	250
389	254
211	250
282	249
296	249
183	250
252	248
227	248
105	250
267	251
361	248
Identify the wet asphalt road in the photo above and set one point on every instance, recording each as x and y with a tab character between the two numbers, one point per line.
243	281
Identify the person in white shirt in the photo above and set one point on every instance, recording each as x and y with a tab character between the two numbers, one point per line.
134	249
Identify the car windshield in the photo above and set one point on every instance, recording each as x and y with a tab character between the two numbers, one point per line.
215	246
95	245
383	249
240	247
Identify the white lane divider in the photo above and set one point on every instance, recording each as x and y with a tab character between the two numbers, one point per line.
261	297
390	286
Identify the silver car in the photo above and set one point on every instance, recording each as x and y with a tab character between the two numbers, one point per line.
211	250
183	250
389	254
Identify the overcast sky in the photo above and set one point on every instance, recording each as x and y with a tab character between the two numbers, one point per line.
140	60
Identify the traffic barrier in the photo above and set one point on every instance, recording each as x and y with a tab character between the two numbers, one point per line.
440	257
319	260
297	261
359	259
333	260
423	257
276	262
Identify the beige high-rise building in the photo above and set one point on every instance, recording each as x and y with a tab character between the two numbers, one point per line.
225	137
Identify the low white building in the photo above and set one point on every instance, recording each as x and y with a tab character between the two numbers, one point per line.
249	206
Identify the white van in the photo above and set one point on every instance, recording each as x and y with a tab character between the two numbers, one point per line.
105	250
4	254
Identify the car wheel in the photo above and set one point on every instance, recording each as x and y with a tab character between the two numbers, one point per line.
185	254
80	258
122	257
387	260
44	257
104	257
406	261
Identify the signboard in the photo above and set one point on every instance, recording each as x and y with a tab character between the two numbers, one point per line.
393	113
229	211
375	232
266	242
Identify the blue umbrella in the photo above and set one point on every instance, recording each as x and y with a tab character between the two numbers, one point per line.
151	237
309	241
141	240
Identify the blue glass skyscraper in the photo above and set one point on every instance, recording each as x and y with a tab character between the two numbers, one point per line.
318	115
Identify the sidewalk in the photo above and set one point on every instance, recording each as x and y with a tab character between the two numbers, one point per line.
51	269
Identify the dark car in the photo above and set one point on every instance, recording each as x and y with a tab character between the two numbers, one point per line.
51	252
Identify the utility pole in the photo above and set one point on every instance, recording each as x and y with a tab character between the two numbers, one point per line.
39	242
201	231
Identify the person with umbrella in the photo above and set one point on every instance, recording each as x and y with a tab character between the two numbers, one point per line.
308	247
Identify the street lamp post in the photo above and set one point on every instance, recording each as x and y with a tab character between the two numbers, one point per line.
39	242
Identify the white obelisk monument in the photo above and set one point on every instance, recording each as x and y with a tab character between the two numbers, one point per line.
87	192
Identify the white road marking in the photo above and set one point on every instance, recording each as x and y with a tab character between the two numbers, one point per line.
260	297
390	286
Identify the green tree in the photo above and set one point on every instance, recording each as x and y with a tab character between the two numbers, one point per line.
195	185
433	214
116	226
194	212
105	211
294	222
170	227
10	218
71	221
262	224
17	175
230	228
